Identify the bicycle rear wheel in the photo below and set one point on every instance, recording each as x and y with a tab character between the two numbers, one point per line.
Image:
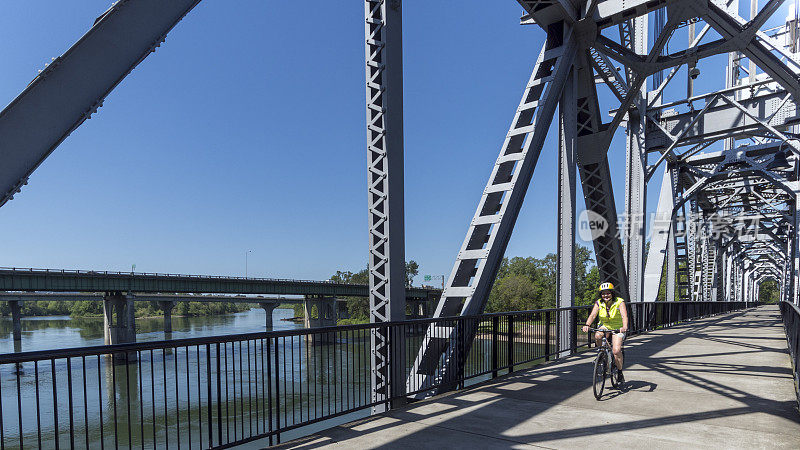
599	375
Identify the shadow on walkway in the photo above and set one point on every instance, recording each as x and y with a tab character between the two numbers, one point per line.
717	382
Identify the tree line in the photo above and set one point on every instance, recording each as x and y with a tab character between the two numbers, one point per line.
87	308
522	283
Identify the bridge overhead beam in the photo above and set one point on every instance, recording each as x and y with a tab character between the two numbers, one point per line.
720	119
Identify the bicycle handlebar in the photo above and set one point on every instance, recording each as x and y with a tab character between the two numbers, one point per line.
605	330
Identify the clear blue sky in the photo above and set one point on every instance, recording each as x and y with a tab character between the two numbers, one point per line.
245	131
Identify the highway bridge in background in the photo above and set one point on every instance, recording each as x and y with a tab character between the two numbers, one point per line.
119	290
59	280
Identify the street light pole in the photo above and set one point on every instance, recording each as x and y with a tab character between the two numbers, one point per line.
245	262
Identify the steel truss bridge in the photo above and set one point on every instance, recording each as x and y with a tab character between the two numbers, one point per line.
727	215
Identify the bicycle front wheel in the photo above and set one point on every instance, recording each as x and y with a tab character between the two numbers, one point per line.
599	375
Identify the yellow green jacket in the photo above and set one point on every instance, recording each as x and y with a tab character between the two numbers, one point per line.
611	318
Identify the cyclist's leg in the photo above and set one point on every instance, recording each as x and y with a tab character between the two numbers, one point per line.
598	338
616	348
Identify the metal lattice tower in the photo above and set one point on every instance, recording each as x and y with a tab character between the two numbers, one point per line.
384	62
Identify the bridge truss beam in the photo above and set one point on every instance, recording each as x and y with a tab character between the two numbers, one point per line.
384	74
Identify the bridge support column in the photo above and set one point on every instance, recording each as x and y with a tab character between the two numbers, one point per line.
119	322
565	256
167	307
662	244
341	310
269	308
16	318
318	312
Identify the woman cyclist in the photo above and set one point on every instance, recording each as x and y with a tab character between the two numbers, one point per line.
613	316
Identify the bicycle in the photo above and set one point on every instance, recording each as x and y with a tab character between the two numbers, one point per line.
602	362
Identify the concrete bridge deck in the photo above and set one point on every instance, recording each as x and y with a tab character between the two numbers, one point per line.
720	382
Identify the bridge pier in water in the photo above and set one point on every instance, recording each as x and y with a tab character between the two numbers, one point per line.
16	318
119	323
269	308
319	311
167	307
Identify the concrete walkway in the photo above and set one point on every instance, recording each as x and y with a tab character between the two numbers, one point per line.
721	382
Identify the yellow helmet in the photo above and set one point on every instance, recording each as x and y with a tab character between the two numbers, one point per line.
606	287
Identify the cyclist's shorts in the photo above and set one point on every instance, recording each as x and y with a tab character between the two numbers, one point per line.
618	334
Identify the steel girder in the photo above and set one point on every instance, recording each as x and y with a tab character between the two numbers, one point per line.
476	265
567	155
74	85
662	236
720	119
636	167
384	75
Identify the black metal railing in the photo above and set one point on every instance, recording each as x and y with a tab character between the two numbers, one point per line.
791	324
226	390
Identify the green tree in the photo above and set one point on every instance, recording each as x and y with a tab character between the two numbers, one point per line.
358	307
512	293
768	292
412	270
590	295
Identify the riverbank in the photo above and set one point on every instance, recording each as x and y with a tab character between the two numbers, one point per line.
92	309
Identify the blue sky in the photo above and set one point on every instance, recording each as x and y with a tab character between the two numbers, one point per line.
245	131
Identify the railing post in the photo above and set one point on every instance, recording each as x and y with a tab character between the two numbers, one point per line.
278	394
573	331
510	343
219	397
495	347
462	339
208	383
269	386
547	336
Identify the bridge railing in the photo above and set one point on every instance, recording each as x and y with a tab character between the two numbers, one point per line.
791	324
155	274
225	390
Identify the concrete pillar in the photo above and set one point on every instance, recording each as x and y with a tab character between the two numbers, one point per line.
119	322
269	307
341	310
319	312
16	318
166	307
